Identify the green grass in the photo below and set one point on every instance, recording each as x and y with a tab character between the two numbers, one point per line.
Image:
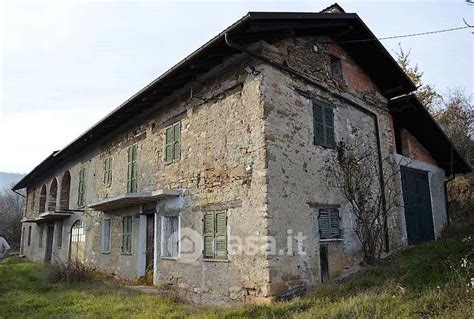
423	282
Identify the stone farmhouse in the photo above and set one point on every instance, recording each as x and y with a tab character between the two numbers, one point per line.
229	143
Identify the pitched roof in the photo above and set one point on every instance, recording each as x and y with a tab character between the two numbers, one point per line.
253	27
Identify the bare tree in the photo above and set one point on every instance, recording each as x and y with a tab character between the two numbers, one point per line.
355	171
11	212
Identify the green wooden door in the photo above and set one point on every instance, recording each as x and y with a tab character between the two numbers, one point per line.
417	202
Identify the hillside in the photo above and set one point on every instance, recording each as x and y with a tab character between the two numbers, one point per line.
7	179
430	280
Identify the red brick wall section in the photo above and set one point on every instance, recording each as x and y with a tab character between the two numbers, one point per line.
413	149
354	76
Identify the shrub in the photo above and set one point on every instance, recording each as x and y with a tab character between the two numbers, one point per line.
69	272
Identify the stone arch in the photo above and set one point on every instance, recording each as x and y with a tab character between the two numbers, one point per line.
65	190
42	199
53	194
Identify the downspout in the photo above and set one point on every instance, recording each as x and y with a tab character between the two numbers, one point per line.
446	200
308	79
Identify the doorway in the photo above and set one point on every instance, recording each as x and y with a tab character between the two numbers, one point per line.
150	245
324	263
78	238
417	202
49	242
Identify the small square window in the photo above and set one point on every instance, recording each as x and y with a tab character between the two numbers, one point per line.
329	223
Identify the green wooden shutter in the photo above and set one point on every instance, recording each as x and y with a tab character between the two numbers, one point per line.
169	148
334	223
209	233
329	126
324	225
318	124
221	235
177	142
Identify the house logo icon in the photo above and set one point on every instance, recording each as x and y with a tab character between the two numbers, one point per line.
190	245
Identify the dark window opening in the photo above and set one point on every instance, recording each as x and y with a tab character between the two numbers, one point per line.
336	68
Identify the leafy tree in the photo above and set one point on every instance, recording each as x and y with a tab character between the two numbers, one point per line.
425	92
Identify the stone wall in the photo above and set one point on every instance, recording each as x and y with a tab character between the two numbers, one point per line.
222	167
296	183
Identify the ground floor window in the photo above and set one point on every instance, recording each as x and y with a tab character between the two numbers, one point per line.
215	235
127	234
60	235
170	240
106	235
77	232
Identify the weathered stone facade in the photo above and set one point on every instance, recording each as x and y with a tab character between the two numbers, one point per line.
247	149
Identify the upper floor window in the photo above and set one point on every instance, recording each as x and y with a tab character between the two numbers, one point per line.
107	177
81	188
132	168
323	119
215	235
173	143
33	199
329	223
336	68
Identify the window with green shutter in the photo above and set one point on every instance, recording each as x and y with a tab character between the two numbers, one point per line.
132	169
173	143
215	235
107	177
329	223
81	188
127	234
323	120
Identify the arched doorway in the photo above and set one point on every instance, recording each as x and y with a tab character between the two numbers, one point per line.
53	194
78	238
42	199
65	190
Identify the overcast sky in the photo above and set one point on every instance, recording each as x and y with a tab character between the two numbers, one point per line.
66	64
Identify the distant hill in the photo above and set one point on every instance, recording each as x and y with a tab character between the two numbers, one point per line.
6	179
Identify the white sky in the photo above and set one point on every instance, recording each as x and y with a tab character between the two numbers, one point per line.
66	64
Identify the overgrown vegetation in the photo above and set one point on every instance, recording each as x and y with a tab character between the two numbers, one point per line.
431	280
68	272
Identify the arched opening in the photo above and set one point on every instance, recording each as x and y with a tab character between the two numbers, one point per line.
42	199
53	194
65	190
78	238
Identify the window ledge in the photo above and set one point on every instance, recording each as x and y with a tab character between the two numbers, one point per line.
331	239
107	252
169	258
125	254
216	260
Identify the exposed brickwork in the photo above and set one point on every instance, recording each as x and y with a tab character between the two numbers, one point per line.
413	149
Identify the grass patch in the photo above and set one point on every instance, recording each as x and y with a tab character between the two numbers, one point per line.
426	281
